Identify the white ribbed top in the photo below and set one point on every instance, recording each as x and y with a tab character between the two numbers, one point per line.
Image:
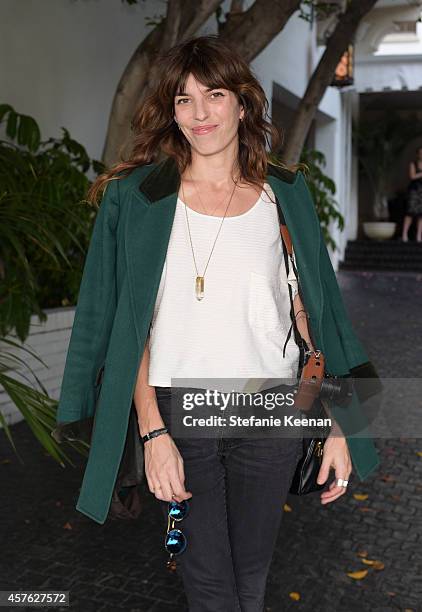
239	328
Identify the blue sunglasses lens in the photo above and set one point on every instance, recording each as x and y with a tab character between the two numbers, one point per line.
178	510
175	542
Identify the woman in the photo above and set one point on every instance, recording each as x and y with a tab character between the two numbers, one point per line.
414	198
185	279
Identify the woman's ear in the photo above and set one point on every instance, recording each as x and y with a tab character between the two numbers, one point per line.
242	108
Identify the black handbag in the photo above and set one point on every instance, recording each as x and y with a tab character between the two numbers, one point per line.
305	477
126	497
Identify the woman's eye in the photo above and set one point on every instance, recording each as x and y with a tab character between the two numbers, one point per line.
215	93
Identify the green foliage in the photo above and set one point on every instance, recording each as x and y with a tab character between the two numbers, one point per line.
45	224
37	408
322	189
45	227
313	10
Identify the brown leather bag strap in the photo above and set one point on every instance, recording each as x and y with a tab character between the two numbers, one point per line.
285	235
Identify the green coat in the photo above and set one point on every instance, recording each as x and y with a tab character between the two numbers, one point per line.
117	295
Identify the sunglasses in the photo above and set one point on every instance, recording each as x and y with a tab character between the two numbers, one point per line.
175	540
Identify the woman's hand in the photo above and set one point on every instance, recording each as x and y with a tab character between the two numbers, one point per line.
336	454
164	469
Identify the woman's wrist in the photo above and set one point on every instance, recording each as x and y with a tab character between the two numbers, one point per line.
335	431
153	434
149	426
149	416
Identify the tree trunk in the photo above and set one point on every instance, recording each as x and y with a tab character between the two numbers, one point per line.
322	77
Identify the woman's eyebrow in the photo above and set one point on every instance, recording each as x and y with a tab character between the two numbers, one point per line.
184	93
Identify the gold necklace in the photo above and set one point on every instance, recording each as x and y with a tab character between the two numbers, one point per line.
200	280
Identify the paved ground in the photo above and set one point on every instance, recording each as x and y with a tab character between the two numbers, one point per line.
46	543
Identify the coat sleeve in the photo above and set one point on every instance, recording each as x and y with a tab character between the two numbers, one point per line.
348	355
94	314
353	350
352	347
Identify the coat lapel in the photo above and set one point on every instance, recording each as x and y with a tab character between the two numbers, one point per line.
149	223
147	235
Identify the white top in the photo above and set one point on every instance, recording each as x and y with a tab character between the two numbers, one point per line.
238	330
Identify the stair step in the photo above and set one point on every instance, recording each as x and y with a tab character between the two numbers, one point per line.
382	255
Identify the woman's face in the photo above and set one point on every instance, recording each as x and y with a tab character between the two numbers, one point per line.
208	119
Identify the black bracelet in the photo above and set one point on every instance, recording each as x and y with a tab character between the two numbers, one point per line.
154	434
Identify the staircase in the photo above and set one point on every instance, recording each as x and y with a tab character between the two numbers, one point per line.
382	255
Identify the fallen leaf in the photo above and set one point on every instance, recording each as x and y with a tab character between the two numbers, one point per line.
391	593
367	509
295	596
387	478
287	508
357	575
360	496
378	565
368	561
67	526
5	461
362	553
419	453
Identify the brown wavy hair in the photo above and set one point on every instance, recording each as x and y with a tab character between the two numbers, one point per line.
155	133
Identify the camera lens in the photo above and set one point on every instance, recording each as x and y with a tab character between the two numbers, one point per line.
338	390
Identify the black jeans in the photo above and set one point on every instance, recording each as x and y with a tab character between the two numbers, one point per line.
239	487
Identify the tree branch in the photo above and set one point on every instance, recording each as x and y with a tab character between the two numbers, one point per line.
322	76
251	31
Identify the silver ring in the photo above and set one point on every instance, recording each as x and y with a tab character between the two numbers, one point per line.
342	483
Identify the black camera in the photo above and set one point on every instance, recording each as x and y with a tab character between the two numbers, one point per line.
337	389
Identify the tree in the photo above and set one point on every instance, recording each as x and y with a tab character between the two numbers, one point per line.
249	32
337	42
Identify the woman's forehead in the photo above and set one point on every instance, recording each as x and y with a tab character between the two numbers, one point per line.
189	81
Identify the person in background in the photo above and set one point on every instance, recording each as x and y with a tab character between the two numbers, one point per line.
414	198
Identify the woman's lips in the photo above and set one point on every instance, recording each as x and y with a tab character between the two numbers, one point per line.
206	129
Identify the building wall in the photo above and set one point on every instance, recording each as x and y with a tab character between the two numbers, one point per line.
60	61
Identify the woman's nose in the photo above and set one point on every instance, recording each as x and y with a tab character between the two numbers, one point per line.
200	111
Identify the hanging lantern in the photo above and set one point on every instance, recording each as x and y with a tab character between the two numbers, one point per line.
344	71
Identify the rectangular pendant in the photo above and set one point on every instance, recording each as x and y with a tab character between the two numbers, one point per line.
199	287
